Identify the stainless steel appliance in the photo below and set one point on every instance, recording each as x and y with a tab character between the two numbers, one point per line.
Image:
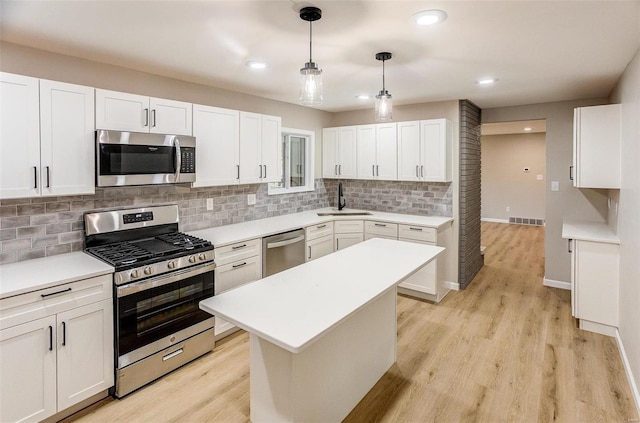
161	276
282	251
132	158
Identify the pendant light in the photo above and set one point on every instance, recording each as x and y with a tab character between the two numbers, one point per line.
310	74
384	106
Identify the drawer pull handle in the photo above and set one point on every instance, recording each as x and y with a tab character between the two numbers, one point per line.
173	354
64	334
237	247
321	226
55	293
309	252
380	224
50	338
415	229
236	266
569	246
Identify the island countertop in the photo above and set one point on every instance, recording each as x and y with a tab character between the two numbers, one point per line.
296	307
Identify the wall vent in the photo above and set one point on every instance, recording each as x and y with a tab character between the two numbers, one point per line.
526	221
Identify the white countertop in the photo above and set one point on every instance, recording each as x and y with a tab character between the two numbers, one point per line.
239	232
32	275
589	231
294	308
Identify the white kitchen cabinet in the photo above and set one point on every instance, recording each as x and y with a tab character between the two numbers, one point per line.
339	147
136	113
217	133
425	150
377	152
237	264
347	240
56	348
318	240
347	233
260	146
596	147
373	229
46	138
594	285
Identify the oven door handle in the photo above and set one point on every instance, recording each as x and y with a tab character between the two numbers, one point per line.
132	288
176	144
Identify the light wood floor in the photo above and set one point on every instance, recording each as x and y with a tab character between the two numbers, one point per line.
506	349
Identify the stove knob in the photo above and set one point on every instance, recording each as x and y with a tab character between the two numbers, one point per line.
192	259
135	274
202	256
148	271
172	264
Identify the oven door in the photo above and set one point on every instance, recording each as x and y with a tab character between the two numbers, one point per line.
158	312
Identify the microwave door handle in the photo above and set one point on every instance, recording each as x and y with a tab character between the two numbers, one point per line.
176	143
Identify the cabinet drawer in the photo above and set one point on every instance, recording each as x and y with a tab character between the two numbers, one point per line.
348	226
317	231
45	302
417	233
238	273
387	230
238	251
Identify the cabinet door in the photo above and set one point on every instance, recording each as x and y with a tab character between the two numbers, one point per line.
346	240
347	148
217	133
122	111
28	371
574	286
366	151
85	352
319	247
386	152
19	137
271	149
231	276
170	117
250	148
596	147
409	151
67	136
424	280
436	150
330	153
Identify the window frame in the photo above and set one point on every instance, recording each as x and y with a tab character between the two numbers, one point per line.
308	165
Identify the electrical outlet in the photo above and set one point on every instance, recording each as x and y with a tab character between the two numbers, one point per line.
209	204
555	186
508	209
539	177
251	199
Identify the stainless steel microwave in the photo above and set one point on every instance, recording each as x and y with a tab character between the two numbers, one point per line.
132	158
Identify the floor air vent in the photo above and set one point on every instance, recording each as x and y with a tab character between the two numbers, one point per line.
526	221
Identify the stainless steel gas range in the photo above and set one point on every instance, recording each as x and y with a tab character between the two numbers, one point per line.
161	276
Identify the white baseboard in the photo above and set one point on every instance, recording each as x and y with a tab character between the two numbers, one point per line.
627	369
452	285
488	219
556	284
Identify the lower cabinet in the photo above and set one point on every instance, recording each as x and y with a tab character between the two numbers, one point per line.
319	240
237	264
347	233
51	363
594	285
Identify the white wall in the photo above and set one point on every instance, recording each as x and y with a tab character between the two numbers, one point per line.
504	182
627	93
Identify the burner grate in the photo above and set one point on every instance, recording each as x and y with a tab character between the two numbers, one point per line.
184	241
121	254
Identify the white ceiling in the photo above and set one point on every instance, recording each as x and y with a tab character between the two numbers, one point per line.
539	50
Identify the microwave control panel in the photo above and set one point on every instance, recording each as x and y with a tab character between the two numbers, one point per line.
188	156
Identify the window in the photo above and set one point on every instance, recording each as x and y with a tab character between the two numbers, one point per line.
297	162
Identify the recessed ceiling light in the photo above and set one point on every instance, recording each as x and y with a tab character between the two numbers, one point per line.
363	97
486	81
528	129
254	64
429	17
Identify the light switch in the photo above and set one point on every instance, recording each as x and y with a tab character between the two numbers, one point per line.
251	199
539	177
555	186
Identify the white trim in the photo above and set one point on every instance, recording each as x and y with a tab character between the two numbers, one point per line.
488	219
451	285
597	327
556	284
309	164
627	367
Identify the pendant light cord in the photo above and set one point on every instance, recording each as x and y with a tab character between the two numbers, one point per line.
383	89
310	41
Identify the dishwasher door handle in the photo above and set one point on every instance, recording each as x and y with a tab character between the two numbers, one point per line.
285	242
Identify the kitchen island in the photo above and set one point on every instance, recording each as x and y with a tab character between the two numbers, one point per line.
322	333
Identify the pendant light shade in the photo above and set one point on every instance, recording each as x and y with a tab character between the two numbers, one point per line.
310	74
384	105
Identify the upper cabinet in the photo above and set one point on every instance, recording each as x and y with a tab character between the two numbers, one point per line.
136	113
596	147
424	150
259	148
46	138
339	152
377	152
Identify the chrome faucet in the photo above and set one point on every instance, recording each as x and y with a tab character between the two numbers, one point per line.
342	203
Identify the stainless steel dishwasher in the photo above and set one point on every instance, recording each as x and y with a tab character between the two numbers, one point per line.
282	251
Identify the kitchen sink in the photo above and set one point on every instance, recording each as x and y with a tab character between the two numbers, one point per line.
344	212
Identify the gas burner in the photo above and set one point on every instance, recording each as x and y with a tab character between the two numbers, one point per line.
121	253
184	241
